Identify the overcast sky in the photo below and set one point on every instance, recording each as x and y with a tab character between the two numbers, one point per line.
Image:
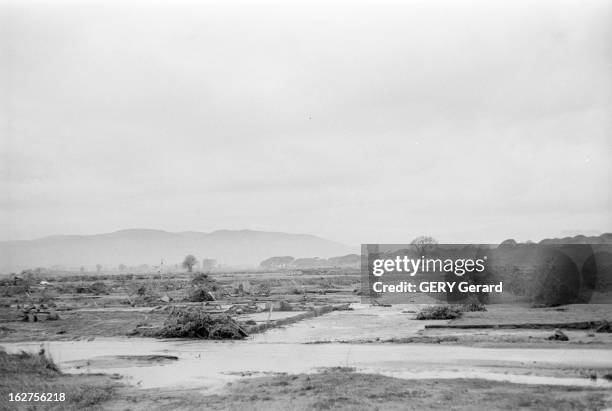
472	121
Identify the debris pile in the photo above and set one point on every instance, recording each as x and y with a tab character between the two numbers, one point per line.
472	307
14	286
605	327
558	335
194	323
202	289
35	313
439	312
96	288
200	294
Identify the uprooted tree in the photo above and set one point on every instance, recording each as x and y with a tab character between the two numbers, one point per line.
189	262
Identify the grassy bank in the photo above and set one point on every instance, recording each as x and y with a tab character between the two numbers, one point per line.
336	388
37	373
343	389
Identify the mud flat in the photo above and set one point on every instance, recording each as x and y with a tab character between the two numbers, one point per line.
210	375
306	348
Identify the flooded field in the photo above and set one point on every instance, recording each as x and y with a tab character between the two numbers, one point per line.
323	327
298	348
209	365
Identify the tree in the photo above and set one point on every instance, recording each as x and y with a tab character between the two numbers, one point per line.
189	262
98	268
423	243
122	267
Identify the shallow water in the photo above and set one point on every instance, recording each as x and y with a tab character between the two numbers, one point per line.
209	365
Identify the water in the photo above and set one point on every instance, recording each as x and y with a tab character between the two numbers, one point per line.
209	365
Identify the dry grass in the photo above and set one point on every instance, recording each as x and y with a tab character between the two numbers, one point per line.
344	389
37	373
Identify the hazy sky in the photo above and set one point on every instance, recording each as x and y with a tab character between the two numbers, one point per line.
471	121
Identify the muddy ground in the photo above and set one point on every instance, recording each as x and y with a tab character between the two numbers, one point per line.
104	324
336	388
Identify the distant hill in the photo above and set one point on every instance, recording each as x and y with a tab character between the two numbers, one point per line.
145	246
350	260
605	238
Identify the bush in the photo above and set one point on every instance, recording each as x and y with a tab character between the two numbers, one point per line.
439	312
197	324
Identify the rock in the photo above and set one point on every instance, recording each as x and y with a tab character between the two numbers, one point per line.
558	335
165	299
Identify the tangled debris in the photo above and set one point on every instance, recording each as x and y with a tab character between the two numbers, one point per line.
439	312
605	327
193	323
202	289
472	307
558	335
97	288
200	295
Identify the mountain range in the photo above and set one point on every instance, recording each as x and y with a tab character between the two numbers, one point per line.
147	246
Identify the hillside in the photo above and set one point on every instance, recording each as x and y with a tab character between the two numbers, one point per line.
144	246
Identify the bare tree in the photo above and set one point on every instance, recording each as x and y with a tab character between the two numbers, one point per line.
423	243
189	262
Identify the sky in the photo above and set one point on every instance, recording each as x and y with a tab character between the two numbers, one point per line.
360	122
